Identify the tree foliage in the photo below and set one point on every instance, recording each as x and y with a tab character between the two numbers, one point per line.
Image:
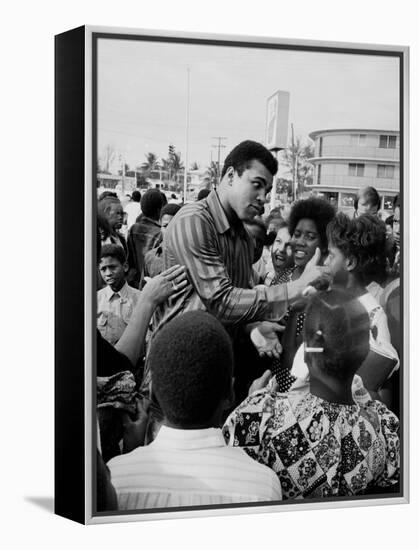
296	157
211	177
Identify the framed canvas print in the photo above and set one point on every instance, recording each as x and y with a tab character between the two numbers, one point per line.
231	275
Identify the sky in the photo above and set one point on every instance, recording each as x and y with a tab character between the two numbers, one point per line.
142	95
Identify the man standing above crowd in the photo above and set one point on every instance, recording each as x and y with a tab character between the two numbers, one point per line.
208	237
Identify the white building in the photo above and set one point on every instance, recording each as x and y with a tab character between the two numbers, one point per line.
346	160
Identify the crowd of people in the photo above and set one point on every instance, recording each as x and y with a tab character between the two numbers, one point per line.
244	356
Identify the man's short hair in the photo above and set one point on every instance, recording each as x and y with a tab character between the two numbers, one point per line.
241	157
170	209
113	251
152	203
203	193
106	194
191	363
318	210
136	196
371	197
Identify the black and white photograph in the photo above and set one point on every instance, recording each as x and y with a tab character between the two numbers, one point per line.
248	281
209	218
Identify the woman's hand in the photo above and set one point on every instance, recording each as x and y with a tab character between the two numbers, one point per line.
265	339
158	289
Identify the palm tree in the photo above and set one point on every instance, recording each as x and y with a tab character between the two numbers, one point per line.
166	166
152	163
211	177
297	157
176	165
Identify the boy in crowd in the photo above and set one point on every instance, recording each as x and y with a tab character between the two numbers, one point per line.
116	301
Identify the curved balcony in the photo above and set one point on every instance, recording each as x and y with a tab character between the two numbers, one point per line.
357	151
341	182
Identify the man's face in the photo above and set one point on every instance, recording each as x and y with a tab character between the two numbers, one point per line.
115	215
336	262
281	249
112	272
304	241
396	226
248	192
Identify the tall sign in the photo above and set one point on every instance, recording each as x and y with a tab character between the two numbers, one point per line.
277	114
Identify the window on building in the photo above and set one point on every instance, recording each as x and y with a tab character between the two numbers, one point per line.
347	199
358	139
388	202
385	171
388	142
356	170
319	173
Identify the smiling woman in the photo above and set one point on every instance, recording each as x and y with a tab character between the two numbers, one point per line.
307	225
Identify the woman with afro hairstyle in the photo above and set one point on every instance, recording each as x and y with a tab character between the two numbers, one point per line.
307	227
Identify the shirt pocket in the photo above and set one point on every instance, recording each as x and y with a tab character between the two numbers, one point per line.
102	320
126	313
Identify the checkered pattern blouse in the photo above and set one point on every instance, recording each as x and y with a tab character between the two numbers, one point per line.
318	449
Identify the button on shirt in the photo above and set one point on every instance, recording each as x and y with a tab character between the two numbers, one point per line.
114	310
190	468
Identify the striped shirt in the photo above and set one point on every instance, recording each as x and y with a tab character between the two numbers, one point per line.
218	256
190	468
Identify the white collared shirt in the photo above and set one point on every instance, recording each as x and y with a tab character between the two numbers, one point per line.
190	468
114	310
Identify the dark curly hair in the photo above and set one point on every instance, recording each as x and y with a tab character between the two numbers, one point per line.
191	363
113	251
371	196
364	238
244	153
318	210
151	203
170	209
337	322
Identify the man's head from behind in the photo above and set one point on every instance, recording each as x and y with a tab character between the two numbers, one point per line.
367	201
191	362
136	196
152	203
247	178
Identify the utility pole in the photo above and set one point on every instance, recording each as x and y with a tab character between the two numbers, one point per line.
275	151
185	181
294	168
219	147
